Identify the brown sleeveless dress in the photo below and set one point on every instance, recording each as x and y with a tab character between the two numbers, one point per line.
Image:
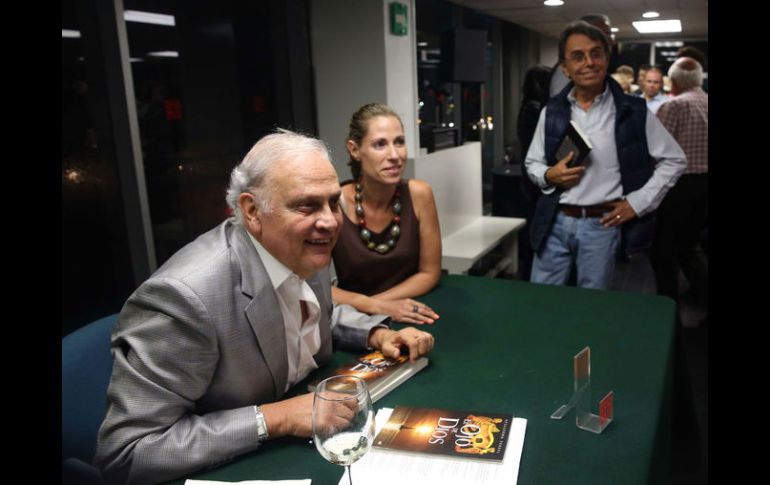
362	270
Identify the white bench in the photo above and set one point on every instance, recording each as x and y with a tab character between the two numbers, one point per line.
467	235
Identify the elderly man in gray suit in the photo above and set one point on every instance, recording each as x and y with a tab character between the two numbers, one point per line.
205	349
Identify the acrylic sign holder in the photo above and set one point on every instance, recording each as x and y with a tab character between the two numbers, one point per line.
581	398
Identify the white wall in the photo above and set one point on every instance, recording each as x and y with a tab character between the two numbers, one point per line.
549	50
356	60
401	73
454	174
348	66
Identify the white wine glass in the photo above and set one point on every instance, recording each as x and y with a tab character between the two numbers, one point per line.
343	420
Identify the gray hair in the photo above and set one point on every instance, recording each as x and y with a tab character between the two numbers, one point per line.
250	175
686	73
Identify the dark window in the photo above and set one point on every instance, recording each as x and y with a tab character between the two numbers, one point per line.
96	264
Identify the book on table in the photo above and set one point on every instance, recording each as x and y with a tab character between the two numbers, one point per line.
382	374
574	141
386	466
459	434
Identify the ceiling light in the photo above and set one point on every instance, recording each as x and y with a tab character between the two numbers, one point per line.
149	18
70	34
163	54
73	175
657	26
422	44
650	15
553	3
669	43
615	29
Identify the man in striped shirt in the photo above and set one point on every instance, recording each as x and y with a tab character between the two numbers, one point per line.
683	213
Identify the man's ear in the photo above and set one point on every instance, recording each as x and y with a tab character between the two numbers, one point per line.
252	217
564	70
353	150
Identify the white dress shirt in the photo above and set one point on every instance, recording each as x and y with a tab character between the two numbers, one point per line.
601	180
303	338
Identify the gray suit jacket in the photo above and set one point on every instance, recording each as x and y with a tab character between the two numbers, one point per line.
196	346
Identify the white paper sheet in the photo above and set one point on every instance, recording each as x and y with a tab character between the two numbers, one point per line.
386	467
249	482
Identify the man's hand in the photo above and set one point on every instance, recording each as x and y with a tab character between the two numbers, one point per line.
623	212
334	411
292	416
390	342
408	311
563	176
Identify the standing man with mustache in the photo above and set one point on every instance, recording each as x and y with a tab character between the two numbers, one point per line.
584	209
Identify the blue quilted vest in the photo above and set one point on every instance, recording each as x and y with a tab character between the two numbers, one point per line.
636	165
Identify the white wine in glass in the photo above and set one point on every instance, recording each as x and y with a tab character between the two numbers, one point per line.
343	420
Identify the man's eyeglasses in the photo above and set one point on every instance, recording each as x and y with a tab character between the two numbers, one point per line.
579	57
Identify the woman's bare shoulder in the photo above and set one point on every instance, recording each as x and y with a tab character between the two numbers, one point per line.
420	189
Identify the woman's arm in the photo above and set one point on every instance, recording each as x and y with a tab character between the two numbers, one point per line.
359	301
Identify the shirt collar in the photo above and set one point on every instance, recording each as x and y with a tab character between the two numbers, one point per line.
277	271
598	99
695	90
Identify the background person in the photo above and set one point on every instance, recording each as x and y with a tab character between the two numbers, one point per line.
535	92
683	214
627	74
640	78
652	89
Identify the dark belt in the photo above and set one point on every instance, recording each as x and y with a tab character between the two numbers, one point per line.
597	210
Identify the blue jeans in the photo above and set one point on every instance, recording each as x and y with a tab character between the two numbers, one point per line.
586	241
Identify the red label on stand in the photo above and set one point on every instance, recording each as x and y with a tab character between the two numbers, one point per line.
605	408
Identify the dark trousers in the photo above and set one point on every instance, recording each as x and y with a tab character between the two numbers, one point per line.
680	222
530	193
679	226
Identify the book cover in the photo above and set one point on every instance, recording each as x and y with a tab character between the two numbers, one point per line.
574	141
382	374
459	434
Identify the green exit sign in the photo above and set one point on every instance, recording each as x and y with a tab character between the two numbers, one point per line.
398	18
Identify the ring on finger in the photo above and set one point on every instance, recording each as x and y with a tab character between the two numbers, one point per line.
415	309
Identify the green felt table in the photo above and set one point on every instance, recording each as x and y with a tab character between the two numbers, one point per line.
507	346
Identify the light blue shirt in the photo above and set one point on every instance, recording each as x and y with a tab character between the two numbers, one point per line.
654	103
601	180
